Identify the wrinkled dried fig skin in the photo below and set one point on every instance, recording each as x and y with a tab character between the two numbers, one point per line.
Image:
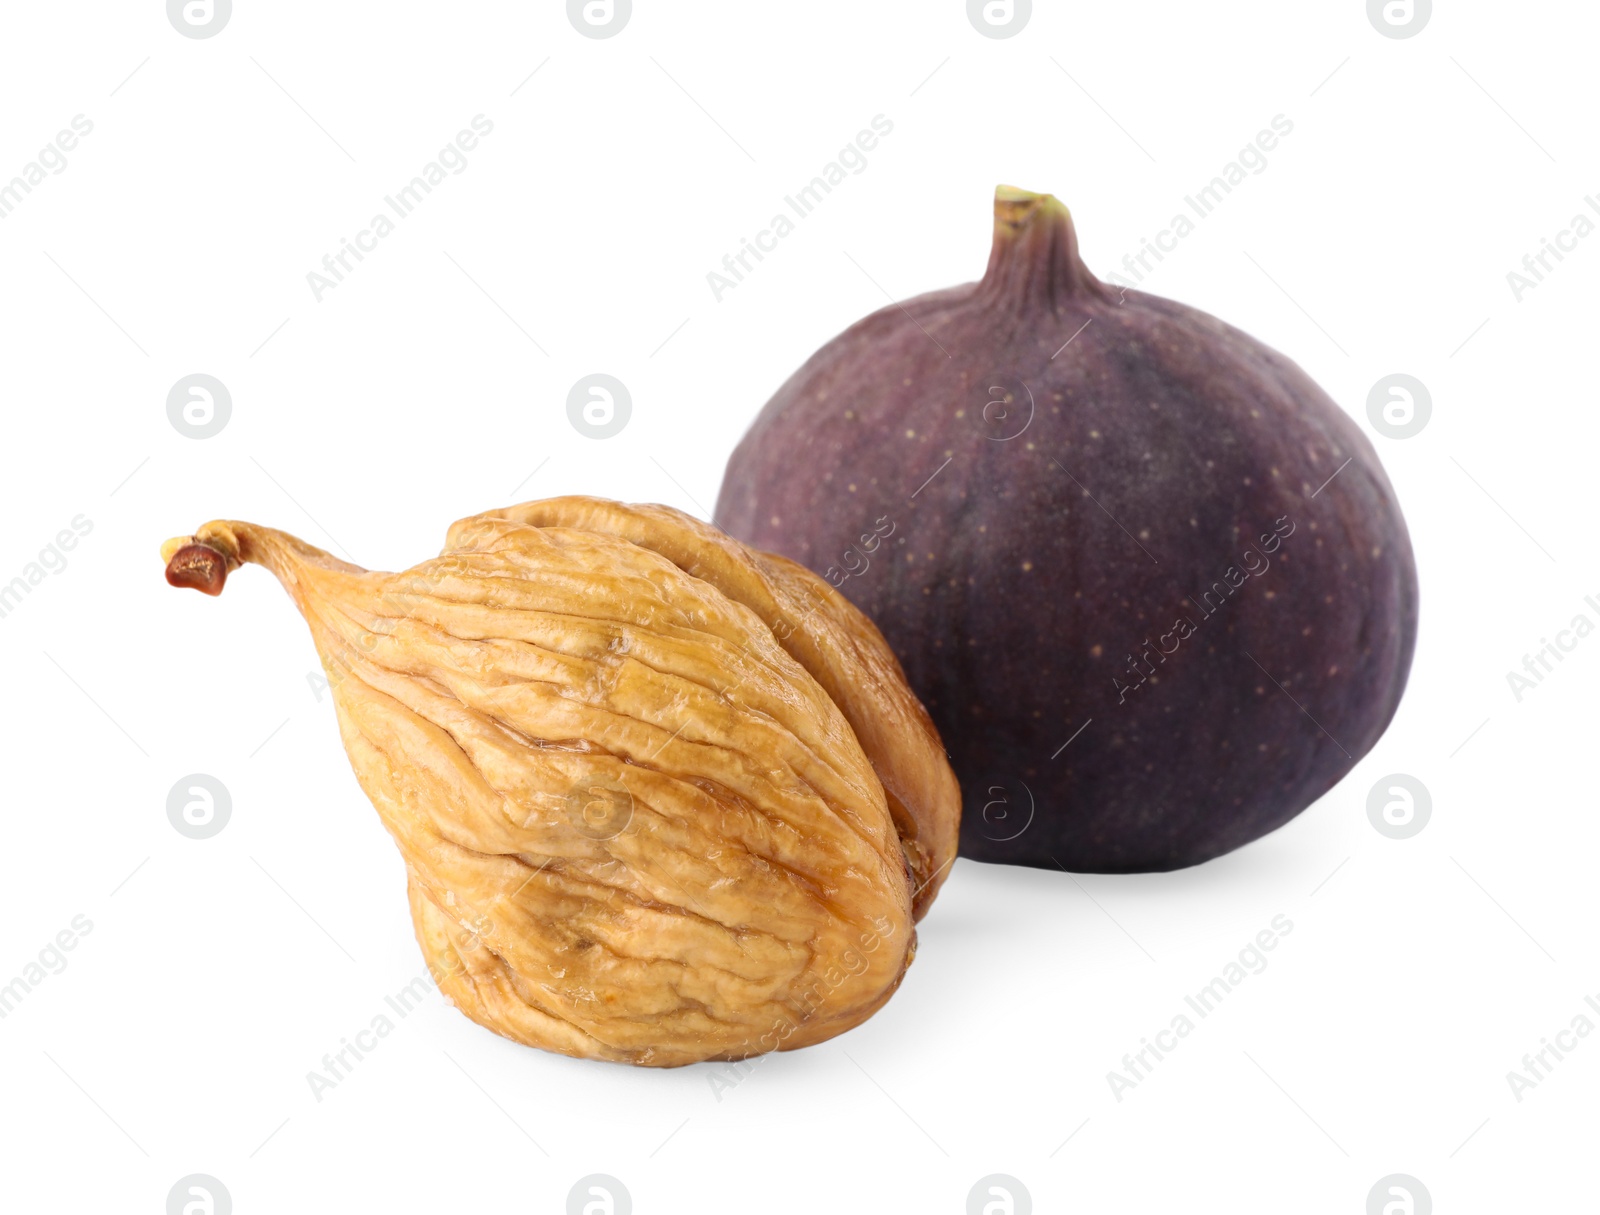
479	984
826	634
755	896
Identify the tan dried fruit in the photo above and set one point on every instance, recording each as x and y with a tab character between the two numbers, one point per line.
661	798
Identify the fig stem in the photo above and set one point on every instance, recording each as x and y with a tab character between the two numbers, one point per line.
1034	260
1014	207
196	565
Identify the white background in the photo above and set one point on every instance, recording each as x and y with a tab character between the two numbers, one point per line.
432	384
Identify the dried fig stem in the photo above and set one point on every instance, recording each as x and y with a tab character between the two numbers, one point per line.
204	560
199	566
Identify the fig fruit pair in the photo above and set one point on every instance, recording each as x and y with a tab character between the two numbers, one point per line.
663	797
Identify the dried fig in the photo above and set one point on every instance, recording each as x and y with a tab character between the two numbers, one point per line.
661	798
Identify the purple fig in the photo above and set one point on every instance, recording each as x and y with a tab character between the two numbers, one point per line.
1150	581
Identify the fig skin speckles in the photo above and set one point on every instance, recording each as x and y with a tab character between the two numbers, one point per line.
1138	453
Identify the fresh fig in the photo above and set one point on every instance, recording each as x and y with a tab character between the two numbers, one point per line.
1150	581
